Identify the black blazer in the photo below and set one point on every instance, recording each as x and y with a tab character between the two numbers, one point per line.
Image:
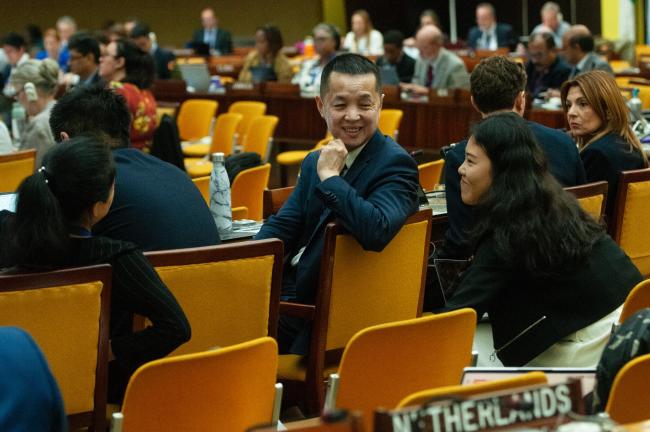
564	162
162	58
605	158
223	43
405	67
529	313
506	37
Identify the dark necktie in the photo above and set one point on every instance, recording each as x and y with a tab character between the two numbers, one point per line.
429	81
574	72
488	41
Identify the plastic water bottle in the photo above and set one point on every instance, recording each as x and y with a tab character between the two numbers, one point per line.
635	105
220	194
18	120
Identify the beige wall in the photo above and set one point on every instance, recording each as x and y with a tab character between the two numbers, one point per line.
173	21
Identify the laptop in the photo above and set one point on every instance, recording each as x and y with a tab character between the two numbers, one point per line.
474	375
8	201
388	75
196	76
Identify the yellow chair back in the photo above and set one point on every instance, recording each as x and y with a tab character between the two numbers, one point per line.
195	118
389	121
430	173
637	299
592	197
387	284
619	65
248	190
66	312
15	167
230	389
629	397
203	184
632	231
224	133
404	360
259	136
222	306
250	110
523	380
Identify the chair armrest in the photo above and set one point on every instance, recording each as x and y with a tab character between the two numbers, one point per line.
298	310
240	212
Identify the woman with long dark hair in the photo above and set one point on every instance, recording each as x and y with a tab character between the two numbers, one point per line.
550	278
130	71
266	62
56	209
598	118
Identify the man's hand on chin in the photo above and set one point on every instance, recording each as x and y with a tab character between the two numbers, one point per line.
331	160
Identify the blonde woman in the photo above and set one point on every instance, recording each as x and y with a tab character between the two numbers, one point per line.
598	121
363	39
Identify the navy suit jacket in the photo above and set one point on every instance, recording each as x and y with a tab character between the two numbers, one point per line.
372	201
162	58
223	43
29	396
564	163
505	36
553	78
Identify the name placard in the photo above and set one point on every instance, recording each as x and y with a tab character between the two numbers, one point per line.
530	406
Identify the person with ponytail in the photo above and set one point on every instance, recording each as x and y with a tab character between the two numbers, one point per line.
56	209
551	279
130	72
35	83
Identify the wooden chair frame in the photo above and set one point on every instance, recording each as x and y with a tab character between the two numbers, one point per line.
318	357
18	156
625	178
95	420
274	199
590	190
228	252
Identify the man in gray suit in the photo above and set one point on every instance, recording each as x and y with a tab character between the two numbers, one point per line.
436	68
578	44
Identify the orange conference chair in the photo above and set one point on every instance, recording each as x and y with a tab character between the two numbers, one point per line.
259	138
249	110
629	398
222	137
523	380
67	313
15	167
195	118
203	185
592	197
389	286
407	364
228	389
223	307
637	299
629	227
389	121
248	190
430	173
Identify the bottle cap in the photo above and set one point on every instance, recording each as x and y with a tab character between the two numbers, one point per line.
218	157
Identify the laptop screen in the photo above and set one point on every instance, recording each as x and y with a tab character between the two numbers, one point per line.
8	201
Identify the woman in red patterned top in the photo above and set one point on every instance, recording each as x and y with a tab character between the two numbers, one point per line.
130	71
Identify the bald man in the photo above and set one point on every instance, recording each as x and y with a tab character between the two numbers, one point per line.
578	44
436	68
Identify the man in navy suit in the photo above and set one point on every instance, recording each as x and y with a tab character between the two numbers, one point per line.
489	34
218	40
141	36
498	84
29	396
362	179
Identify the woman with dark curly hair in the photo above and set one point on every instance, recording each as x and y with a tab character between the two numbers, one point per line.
550	278
266	62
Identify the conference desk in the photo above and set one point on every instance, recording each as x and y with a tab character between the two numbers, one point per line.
429	125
